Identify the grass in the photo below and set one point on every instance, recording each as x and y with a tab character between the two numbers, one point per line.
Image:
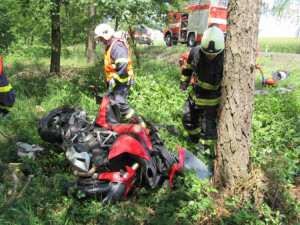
283	45
265	198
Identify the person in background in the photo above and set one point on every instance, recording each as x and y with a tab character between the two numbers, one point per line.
258	67
7	94
205	63
118	69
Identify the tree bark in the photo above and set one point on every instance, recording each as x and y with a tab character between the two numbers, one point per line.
91	44
56	36
133	46
237	100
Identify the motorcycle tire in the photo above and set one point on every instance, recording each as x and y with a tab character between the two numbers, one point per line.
50	125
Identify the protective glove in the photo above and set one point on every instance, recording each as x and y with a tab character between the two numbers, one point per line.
3	116
111	83
182	91
263	79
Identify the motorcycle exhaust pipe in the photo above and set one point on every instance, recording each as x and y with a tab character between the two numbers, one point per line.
86	174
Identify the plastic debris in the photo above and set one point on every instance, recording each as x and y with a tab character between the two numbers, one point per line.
28	150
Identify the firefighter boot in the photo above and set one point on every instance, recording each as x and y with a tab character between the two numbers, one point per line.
203	145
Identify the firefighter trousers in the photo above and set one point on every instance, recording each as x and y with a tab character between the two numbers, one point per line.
199	122
120	94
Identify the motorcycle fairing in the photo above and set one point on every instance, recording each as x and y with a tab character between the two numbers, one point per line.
107	119
126	143
176	168
117	178
189	161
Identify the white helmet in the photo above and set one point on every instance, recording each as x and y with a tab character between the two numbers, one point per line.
212	41
103	30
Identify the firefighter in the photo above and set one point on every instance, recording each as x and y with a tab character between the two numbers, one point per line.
205	64
118	69
7	94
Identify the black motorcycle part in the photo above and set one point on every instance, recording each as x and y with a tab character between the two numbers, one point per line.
51	125
115	194
109	192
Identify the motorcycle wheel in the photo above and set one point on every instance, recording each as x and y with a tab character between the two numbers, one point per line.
51	124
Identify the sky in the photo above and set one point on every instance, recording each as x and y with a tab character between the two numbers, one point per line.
270	27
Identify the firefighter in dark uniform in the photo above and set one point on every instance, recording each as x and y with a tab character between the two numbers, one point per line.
118	69
205	63
7	95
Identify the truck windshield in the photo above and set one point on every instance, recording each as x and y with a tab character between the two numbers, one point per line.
221	3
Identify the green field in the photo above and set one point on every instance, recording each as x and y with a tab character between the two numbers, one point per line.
282	45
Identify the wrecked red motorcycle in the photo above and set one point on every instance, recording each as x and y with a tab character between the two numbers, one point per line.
110	157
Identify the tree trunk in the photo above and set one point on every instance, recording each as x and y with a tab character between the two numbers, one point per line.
237	100
116	24
56	36
91	44
133	46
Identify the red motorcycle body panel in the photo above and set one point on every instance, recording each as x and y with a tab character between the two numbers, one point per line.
176	168
116	177
141	131
130	145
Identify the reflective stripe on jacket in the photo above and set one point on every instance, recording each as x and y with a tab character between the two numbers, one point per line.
7	95
208	76
204	101
110	68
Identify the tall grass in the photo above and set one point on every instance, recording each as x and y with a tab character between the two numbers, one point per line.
280	45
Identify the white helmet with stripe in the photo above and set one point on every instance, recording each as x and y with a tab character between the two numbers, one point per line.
212	41
103	30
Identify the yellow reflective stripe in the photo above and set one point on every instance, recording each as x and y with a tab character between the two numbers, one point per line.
194	132
121	60
6	107
6	88
122	80
210	102
205	142
188	67
129	115
207	86
203	101
185	78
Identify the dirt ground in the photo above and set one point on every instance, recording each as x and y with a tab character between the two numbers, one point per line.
283	61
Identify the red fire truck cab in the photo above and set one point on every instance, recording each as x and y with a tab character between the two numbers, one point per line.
188	25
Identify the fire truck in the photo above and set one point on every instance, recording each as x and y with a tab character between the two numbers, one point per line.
188	25
142	36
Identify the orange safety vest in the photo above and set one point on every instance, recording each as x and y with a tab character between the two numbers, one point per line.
110	68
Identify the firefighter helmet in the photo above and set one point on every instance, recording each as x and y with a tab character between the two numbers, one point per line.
212	41
103	30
